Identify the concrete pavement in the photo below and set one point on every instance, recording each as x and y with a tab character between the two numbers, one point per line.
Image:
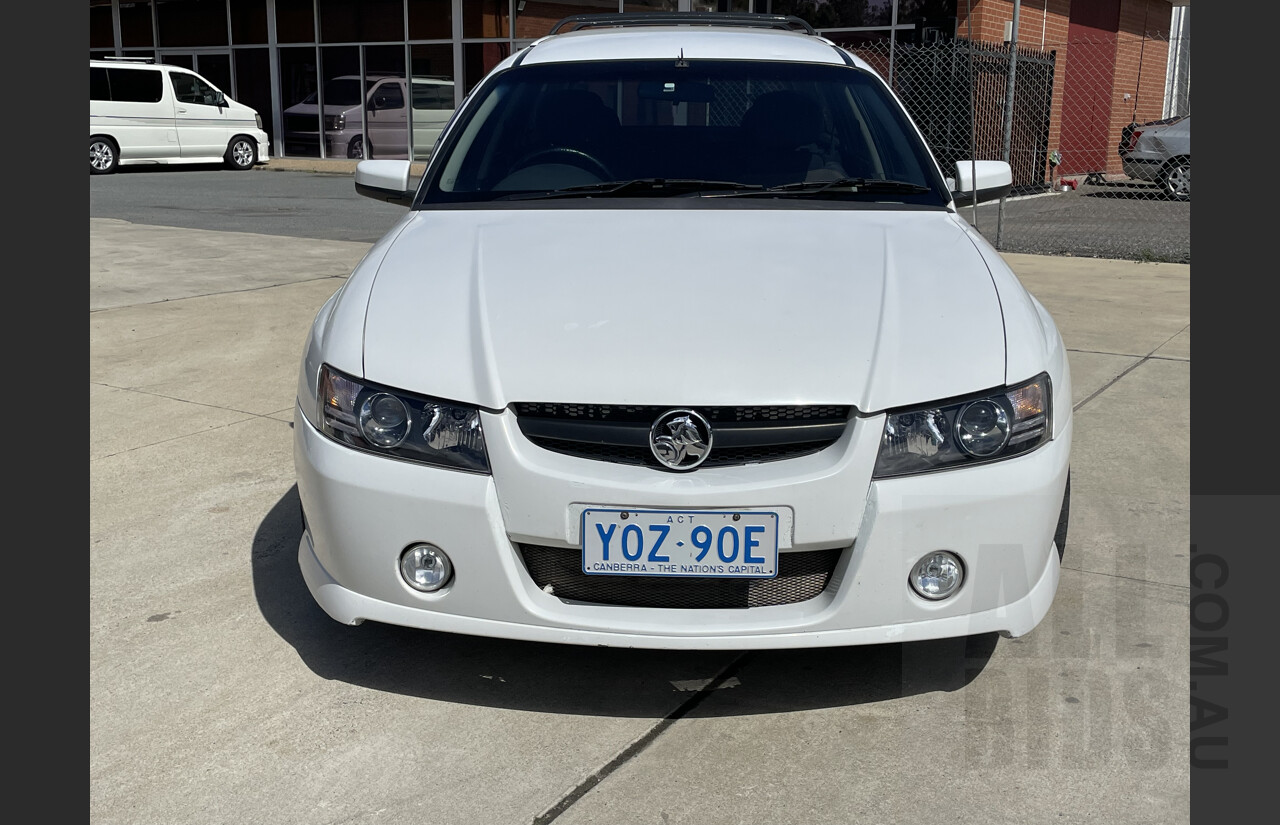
219	692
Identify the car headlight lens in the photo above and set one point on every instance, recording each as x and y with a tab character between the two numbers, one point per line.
391	422
384	420
1001	425
258	119
982	428
335	123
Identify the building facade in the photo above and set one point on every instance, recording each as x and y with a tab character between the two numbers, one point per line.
324	67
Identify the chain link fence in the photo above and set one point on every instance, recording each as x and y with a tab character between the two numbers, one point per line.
1063	115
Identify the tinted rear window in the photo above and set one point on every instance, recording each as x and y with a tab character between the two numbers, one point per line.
99	89
127	85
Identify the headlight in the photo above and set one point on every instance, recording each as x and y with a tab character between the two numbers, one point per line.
258	119
970	431
335	123
395	423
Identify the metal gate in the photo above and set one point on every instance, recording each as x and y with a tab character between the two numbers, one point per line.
948	86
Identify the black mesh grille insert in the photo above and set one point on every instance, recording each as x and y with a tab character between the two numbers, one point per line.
801	576
620	454
646	414
741	435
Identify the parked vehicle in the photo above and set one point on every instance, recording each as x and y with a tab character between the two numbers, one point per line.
1160	152
684	343
141	112
385	111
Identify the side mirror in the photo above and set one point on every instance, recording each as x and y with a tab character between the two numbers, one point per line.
219	99
385	180
978	181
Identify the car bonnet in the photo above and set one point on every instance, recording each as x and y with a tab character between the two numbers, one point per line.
671	306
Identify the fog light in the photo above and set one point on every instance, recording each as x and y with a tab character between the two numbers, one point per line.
937	575
425	567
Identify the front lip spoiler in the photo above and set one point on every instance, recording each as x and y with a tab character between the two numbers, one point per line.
1011	620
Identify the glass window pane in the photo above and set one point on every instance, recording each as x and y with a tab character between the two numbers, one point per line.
536	19
295	22
253	85
192	22
102	33
650	5
485	18
135	24
387	116
430	19
301	116
478	59
342	21
760	123
99	88
186	61
387	95
216	68
383	60
248	22
343	95
838	15
433	96
135	86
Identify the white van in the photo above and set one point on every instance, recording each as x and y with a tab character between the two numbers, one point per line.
142	112
386	115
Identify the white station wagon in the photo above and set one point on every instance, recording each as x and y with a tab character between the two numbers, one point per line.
683	343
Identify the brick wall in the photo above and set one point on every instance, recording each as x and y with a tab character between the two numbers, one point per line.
1140	48
1040	22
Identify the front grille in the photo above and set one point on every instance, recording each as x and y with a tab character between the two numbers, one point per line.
742	435
801	576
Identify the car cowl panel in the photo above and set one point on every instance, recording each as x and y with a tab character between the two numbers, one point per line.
683	307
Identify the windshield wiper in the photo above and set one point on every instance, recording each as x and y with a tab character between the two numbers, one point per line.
640	187
874	186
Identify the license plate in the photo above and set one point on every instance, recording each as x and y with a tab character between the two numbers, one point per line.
706	543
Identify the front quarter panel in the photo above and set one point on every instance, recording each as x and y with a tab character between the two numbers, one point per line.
337	333
1032	342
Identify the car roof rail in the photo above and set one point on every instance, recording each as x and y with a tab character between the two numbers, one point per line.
127	59
788	22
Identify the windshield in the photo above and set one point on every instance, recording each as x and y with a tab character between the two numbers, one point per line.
341	91
707	129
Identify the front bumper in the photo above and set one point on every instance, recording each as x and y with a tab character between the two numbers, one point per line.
264	145
363	510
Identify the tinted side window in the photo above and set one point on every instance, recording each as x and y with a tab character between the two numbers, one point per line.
99	88
191	89
388	96
432	97
134	85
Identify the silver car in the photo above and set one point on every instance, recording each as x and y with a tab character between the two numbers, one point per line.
1161	153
